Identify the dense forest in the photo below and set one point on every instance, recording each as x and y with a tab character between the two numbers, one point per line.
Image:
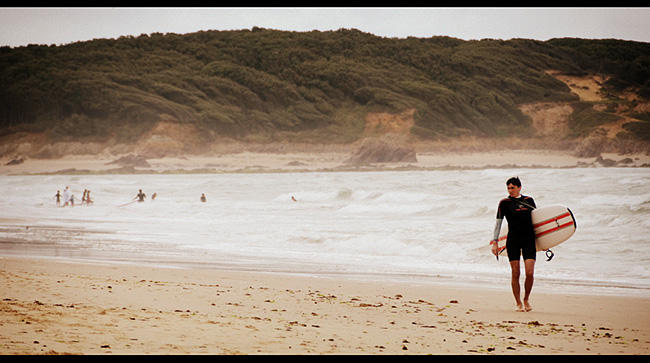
264	84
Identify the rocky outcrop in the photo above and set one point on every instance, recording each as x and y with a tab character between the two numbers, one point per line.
380	151
131	161
17	161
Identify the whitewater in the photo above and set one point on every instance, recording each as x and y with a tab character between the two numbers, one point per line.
398	226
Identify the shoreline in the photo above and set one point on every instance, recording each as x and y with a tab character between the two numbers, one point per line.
246	162
59	307
497	281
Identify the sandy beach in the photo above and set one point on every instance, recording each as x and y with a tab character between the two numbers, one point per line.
68	307
323	161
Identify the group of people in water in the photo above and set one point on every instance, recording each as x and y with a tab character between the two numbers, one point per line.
68	199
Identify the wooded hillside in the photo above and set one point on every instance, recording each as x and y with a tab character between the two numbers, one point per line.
267	85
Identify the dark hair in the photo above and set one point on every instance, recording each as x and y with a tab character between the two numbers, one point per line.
514	181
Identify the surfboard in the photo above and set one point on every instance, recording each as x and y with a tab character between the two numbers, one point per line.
122	205
553	224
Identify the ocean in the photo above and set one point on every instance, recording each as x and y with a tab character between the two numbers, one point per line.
397	226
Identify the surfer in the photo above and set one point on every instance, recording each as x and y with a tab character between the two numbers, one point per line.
140	197
517	210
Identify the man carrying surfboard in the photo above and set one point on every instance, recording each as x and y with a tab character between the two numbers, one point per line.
517	210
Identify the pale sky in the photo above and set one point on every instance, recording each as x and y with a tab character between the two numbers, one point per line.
59	25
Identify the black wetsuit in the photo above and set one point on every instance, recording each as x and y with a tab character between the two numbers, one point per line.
521	236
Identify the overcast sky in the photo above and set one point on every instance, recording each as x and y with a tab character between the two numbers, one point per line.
23	26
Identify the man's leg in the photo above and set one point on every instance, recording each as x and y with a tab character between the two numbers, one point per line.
528	284
516	289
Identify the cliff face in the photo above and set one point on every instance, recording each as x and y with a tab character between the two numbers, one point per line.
389	135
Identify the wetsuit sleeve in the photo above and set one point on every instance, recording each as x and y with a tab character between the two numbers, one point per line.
497	228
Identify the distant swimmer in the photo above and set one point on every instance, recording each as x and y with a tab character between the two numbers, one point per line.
203	198
294	199
140	197
153	196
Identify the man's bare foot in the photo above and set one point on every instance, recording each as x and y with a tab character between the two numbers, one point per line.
520	308
527	306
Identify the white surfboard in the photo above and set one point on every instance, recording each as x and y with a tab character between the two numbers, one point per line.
553	224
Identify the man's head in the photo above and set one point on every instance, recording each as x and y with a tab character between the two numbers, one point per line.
514	181
514	187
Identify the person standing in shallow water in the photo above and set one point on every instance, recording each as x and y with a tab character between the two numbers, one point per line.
66	196
140	197
517	209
